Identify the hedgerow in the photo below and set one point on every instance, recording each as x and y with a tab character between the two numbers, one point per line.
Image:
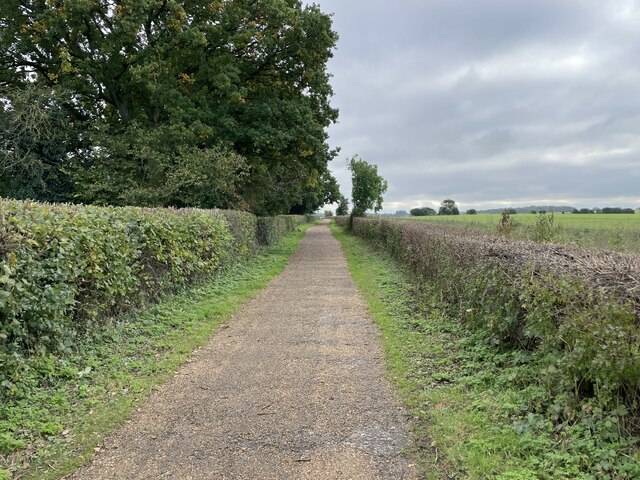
65	270
272	229
574	313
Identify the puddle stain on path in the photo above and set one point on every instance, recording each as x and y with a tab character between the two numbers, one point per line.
291	388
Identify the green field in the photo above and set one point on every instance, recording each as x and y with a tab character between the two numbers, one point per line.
608	231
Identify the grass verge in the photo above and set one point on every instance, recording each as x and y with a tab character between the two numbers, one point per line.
78	399
473	405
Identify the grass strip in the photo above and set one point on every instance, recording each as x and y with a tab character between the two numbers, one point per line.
86	394
470	402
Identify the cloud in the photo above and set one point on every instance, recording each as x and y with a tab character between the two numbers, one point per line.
494	102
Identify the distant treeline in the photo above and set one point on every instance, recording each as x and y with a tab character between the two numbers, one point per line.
604	210
563	209
531	209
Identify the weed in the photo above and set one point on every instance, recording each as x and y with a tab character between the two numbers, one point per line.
506	225
545	229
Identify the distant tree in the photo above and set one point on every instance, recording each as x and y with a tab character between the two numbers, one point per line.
448	207
367	187
472	211
401	213
542	212
585	210
534	212
343	207
422	212
597	210
575	210
510	211
328	213
617	210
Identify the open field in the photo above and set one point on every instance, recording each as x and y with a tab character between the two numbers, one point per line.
607	231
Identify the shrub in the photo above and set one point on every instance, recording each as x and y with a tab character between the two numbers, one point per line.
545	229
577	311
506	225
271	229
66	269
243	226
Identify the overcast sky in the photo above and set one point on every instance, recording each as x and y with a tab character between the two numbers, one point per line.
491	103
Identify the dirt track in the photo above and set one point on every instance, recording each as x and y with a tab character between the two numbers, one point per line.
291	388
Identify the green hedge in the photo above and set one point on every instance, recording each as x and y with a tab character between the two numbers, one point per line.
244	228
66	269
272	229
575	311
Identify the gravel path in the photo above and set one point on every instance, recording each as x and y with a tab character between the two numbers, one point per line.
290	388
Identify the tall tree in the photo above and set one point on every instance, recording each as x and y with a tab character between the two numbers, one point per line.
343	206
156	86
367	187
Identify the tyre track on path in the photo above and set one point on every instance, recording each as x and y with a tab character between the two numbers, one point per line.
291	387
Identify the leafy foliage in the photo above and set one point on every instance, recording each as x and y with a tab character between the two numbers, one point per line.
65	269
343	206
448	207
34	141
200	103
367	187
422	212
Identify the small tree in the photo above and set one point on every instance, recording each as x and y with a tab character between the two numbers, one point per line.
472	211
448	207
343	207
328	213
368	187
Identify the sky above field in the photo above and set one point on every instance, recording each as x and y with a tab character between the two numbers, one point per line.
492	103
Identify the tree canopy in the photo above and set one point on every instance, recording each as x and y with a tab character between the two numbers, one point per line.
422	212
343	206
367	187
448	207
219	103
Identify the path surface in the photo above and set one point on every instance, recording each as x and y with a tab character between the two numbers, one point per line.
292	388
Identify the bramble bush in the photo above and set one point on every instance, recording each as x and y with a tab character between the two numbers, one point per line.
66	269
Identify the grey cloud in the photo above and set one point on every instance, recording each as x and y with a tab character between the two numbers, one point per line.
493	101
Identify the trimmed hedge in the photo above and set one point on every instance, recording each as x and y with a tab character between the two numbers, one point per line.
576	311
271	229
66	269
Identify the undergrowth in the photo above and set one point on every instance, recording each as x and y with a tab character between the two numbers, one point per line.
69	402
481	410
